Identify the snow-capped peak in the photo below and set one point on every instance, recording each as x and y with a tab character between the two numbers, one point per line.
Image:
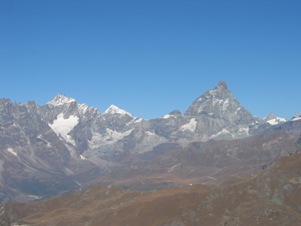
269	117
61	100
273	119
116	110
296	117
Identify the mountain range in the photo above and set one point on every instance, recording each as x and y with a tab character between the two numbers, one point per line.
64	145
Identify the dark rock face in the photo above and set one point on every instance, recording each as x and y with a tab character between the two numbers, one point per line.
218	109
60	146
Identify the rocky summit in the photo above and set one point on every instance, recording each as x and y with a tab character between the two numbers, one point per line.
64	145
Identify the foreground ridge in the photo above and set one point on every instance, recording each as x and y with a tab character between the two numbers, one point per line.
258	200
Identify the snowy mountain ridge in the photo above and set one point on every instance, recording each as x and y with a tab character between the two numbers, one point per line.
61	99
67	139
296	117
116	110
272	119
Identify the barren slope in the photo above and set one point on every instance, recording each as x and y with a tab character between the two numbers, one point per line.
270	198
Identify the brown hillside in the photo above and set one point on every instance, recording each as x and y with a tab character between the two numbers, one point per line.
270	198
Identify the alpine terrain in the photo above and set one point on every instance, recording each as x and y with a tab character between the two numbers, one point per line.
189	163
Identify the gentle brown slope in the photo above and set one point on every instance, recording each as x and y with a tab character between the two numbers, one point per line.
270	198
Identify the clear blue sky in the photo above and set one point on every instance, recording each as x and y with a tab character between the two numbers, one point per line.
150	57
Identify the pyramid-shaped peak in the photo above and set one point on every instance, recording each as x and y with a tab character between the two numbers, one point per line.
270	116
219	103
116	110
61	99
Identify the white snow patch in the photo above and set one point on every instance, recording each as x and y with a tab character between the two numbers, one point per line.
237	110
62	126
152	137
223	131
276	121
191	126
225	104
82	157
244	130
297	117
273	120
10	150
150	134
134	120
111	136
166	116
46	141
95	141
169	116
116	110
137	120
217	101
114	136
